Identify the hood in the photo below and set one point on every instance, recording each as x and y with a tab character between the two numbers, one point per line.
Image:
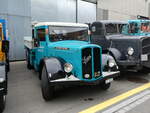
69	44
121	36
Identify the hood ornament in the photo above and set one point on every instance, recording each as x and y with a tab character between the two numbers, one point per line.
86	59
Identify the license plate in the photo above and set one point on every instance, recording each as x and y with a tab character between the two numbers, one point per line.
109	80
144	57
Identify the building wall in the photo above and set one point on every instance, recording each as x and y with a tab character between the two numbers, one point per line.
86	12
50	10
121	9
63	11
18	17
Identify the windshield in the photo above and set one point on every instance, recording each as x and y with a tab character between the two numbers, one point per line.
68	33
133	28
114	28
145	27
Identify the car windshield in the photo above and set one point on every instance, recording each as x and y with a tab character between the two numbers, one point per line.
133	28
68	33
145	27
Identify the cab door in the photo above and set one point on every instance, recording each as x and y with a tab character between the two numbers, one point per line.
40	40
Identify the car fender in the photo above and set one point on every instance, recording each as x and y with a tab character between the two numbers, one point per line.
105	60
54	67
115	53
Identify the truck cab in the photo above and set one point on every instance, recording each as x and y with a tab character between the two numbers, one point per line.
129	47
4	49
62	54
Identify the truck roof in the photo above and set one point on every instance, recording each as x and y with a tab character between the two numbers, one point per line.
60	24
138	21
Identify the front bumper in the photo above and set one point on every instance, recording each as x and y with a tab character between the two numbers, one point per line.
72	79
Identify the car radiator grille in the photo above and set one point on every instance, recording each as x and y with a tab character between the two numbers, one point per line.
146	46
91	58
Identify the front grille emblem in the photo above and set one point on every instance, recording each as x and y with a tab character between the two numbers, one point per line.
86	59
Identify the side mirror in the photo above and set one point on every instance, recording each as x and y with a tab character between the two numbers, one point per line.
5	46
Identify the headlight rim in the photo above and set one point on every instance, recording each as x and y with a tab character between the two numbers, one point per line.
66	66
130	51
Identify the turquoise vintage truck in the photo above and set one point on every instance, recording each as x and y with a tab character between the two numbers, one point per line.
62	54
137	28
4	63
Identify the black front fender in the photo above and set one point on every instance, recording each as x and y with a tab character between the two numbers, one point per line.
115	53
105	60
54	67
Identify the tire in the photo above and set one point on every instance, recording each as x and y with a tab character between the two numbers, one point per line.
105	86
29	66
2	103
47	89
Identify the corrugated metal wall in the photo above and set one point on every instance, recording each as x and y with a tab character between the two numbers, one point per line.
50	10
18	16
86	12
63	10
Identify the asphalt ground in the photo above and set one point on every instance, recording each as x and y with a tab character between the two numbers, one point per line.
24	95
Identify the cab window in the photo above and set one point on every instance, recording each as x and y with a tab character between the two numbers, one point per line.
41	34
120	27
111	29
145	27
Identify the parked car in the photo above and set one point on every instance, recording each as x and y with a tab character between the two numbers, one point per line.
127	43
62	54
4	64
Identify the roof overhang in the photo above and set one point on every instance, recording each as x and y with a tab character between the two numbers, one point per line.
92	1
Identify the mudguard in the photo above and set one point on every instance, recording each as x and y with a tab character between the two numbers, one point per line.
115	53
105	60
54	68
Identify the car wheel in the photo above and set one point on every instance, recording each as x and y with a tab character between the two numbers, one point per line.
105	86
47	89
29	66
2	103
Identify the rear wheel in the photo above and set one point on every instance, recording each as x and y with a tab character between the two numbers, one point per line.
2	103
47	88
29	66
105	86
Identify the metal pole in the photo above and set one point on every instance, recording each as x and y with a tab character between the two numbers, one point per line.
77	11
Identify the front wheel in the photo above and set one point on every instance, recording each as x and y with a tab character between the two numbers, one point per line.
105	86
2	103
47	88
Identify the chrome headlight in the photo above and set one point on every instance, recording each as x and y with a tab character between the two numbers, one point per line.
68	67
111	63
130	51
